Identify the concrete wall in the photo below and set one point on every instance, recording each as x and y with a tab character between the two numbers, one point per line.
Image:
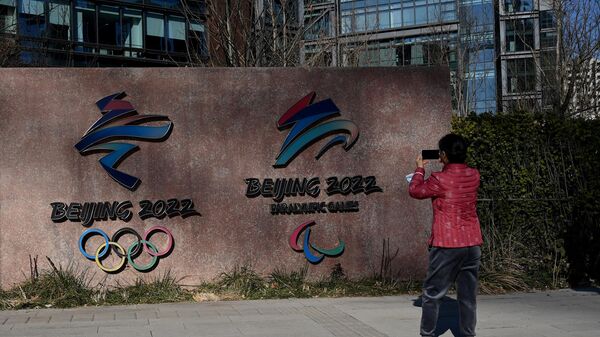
224	131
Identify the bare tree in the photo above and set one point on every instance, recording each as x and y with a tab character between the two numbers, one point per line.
577	48
464	48
8	52
9	49
252	33
319	47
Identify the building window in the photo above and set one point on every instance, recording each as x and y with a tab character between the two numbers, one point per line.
417	55
547	20
477	18
384	19
448	11
435	53
346	24
345	4
396	16
155	31
109	28
93	28
368	58
372	23
387	57
85	22
59	18
197	39
408	16
371	15
132	31
164	3
433	13
177	34
318	25
481	91
32	21
317	56
519	35
548	39
420	12
8	13
521	75
410	54
359	23
514	6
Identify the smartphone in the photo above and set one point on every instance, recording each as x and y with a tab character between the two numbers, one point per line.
430	154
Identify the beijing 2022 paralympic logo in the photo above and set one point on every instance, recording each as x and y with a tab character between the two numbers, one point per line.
119	121
309	125
312	258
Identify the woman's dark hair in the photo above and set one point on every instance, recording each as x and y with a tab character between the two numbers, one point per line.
455	148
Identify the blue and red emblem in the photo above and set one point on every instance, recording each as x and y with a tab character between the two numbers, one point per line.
119	121
307	245
309	125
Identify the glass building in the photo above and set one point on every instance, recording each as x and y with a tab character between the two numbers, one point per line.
379	32
478	51
105	33
493	48
527	42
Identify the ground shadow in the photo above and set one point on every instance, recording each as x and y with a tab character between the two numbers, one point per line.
447	318
587	290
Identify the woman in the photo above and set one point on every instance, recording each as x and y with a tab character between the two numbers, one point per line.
455	234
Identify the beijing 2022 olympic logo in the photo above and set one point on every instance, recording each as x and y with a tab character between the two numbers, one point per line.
120	121
142	243
309	125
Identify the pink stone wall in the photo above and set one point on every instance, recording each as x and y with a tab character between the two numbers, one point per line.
224	131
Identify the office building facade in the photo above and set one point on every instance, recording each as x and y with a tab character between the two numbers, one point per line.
482	41
373	33
527	42
105	33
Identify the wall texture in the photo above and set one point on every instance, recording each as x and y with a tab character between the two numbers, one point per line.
224	131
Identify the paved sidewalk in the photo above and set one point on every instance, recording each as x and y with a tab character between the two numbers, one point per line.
548	314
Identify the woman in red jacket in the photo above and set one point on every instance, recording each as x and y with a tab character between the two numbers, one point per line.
455	234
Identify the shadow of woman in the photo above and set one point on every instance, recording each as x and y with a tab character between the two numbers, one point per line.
447	318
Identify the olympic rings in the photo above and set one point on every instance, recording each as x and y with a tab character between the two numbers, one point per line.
138	245
160	229
85	235
110	270
142	243
123	231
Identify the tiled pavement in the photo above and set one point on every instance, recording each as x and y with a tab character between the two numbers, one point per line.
544	314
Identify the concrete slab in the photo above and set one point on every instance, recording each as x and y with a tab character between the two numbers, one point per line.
564	313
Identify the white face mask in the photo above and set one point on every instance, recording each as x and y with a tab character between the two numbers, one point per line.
409	177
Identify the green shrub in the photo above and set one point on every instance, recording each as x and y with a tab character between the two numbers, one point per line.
55	287
163	288
538	198
241	279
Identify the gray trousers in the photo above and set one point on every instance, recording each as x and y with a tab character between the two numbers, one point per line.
446	266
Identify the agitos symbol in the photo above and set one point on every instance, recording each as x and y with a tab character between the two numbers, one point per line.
312	258
119	121
308	126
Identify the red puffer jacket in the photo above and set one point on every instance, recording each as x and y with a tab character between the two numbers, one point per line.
454	199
